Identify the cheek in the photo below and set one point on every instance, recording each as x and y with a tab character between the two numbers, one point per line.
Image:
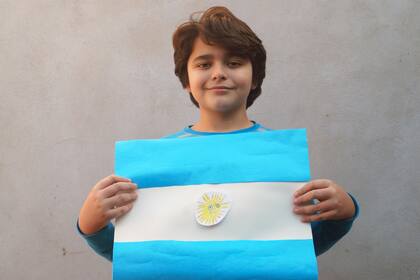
245	77
196	83
195	79
244	74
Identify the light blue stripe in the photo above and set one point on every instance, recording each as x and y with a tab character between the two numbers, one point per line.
268	156
280	259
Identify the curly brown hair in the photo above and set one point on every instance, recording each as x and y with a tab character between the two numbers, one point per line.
218	26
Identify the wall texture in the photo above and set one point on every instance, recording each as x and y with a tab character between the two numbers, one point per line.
75	76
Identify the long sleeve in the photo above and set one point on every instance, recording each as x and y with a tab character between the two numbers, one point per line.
102	242
327	233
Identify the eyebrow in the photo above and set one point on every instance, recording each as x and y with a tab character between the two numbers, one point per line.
209	56
204	56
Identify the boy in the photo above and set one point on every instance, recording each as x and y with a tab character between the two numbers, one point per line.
221	63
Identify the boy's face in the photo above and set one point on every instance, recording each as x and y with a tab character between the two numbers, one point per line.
210	67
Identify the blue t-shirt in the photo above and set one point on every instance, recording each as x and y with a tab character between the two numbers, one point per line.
325	233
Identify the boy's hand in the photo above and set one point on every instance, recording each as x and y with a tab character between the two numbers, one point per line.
334	202
110	198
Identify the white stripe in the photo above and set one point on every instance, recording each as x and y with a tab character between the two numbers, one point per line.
260	211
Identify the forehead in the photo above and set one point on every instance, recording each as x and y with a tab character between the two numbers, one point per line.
201	49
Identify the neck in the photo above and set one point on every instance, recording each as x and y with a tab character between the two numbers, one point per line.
222	123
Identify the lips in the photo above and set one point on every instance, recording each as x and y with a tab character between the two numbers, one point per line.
219	88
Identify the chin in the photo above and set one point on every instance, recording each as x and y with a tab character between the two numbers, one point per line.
225	108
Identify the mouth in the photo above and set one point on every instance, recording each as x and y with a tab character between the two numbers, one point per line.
219	90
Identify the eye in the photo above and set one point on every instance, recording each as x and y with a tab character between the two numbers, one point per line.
203	65
235	63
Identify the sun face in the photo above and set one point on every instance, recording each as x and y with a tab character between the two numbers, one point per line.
212	207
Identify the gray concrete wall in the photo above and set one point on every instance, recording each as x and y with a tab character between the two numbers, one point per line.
75	76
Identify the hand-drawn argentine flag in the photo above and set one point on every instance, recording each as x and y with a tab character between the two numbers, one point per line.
246	180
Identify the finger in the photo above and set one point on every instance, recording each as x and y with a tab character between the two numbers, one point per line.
117	188
313	209
109	180
320	194
315	184
319	217
120	200
119	211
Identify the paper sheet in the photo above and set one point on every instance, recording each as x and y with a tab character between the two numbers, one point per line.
257	237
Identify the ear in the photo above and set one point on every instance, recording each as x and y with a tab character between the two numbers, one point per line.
254	86
188	88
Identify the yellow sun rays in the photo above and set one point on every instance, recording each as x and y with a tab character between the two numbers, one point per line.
212	207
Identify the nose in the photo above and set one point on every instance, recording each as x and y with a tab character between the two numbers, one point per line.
218	72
